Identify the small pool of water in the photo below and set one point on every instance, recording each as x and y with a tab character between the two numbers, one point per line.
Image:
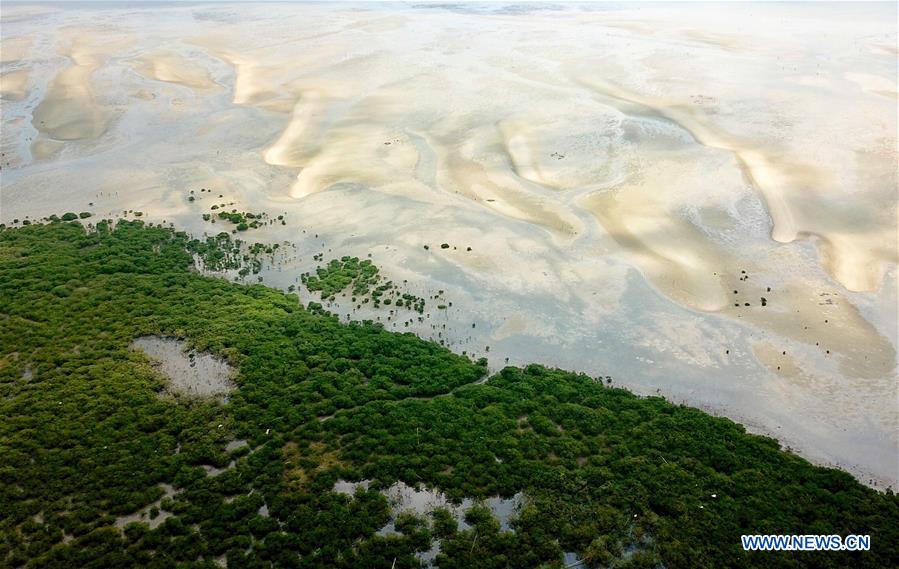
189	372
423	501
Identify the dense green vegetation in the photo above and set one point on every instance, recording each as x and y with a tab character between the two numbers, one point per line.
87	434
363	280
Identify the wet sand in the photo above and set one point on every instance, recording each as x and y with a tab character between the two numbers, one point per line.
13	85
172	67
632	181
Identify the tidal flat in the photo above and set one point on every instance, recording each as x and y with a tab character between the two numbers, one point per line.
699	201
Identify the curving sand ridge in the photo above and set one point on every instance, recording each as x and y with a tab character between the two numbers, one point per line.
672	252
70	109
479	169
298	143
799	197
335	138
171	67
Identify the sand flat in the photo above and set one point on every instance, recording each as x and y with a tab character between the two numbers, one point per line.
172	67
13	85
70	109
14	48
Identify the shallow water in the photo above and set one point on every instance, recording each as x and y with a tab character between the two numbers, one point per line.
235	444
423	501
571	560
143	515
614	168
188	372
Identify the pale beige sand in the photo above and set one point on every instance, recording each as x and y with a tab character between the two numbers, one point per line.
44	148
614	172
649	226
171	67
70	109
797	193
11	152
13	85
876	84
14	49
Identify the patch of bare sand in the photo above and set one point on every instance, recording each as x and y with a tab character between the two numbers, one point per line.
172	67
514	324
11	152
334	140
301	138
70	110
773	358
487	178
14	84
645	216
276	77
565	147
14	49
681	260
876	84
45	148
818	316
802	199
726	42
